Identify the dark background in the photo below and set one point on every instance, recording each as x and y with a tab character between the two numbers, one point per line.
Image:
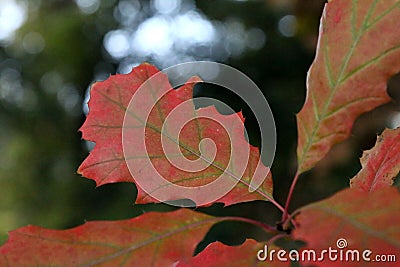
48	62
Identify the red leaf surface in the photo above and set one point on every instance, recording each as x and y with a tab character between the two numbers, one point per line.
104	125
357	52
365	220
381	164
152	239
217	254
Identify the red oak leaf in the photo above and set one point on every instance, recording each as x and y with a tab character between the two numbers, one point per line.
147	240
163	135
358	51
352	220
217	254
381	164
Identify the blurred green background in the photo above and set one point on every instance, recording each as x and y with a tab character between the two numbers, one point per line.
52	50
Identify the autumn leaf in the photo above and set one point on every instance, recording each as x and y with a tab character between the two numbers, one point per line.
381	164
149	140
152	239
357	52
103	125
217	254
352	220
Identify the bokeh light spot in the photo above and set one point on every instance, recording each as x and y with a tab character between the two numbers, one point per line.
12	16
287	25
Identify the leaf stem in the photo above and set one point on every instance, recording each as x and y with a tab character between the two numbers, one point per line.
276	204
274	238
266	227
289	197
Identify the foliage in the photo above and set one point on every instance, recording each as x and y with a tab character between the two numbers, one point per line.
106	163
356	55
